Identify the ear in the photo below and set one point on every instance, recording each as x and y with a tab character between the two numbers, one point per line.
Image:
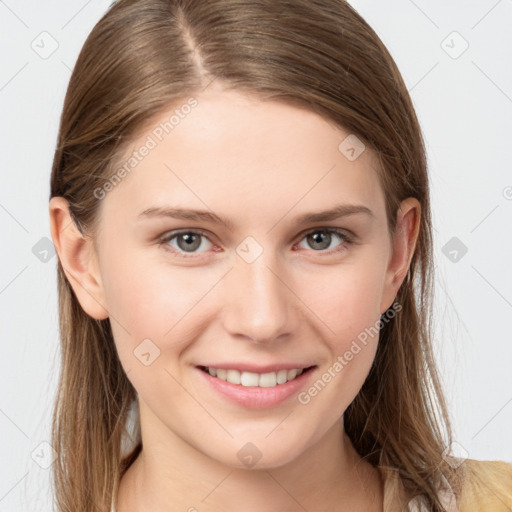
403	246
78	258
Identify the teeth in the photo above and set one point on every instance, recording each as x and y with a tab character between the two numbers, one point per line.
282	376
233	376
250	379
268	380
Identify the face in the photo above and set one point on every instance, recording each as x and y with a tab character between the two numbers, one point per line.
214	257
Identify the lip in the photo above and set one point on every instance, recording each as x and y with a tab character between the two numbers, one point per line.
254	397
247	367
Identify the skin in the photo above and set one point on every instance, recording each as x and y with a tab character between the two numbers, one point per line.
260	165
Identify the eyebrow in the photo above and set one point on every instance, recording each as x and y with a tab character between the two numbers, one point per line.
342	210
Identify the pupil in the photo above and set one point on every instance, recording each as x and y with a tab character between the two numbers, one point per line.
191	241
323	239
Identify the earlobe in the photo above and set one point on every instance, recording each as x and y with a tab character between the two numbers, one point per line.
403	247
78	259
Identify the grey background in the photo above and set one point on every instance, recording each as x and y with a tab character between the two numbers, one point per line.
464	101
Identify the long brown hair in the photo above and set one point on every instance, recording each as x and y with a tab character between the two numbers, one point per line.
141	57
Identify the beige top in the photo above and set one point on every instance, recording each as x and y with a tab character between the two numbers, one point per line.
488	489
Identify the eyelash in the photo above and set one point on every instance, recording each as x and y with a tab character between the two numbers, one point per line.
346	239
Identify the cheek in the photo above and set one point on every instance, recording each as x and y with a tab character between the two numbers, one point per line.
155	301
149	306
149	297
347	302
346	298
353	318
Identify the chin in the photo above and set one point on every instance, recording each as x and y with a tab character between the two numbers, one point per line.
260	453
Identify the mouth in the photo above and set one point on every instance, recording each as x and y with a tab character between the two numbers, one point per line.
249	379
255	390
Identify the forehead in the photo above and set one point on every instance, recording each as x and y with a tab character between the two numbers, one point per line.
237	154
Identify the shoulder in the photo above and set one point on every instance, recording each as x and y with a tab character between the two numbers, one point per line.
487	486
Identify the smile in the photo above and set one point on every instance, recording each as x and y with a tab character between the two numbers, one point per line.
251	379
256	390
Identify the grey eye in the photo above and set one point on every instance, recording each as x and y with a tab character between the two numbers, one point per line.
187	241
190	241
321	239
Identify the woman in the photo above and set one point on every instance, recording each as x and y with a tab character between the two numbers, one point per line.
240	205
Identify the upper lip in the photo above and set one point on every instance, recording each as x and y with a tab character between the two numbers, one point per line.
248	367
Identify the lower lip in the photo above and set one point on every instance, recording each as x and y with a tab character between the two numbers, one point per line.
254	397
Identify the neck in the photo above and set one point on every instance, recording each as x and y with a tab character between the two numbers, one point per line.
169	474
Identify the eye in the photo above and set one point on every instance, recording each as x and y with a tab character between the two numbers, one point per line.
187	241
190	241
321	239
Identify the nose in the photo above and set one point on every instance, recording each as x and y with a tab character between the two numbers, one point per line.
258	304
